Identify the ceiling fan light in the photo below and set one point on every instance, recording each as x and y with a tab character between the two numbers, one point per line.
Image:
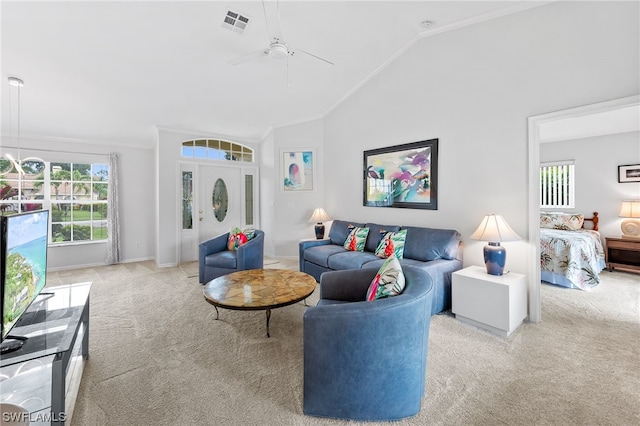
278	51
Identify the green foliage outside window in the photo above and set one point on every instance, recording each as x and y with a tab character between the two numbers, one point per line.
76	194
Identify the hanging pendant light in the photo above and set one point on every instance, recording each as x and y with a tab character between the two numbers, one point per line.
16	82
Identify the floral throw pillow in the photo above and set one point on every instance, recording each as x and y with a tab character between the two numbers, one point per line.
564	221
356	239
238	237
392	243
389	281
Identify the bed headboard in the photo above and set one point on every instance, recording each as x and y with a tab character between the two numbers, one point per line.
594	220
568	221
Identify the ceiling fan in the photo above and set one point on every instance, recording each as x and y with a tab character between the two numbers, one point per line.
278	48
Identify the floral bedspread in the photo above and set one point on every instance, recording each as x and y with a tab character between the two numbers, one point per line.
577	255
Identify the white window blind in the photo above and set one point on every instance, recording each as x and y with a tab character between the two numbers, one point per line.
557	184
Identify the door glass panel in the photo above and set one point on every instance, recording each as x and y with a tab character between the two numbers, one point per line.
187	200
220	200
248	199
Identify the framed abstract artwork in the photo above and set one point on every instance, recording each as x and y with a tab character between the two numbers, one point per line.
629	173
297	170
402	176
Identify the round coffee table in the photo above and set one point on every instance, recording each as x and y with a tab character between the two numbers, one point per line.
259	289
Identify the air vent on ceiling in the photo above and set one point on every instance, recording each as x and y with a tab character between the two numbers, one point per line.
235	22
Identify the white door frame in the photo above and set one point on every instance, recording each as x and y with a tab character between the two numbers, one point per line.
194	167
534	186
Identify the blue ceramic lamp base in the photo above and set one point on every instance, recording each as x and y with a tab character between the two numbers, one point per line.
495	257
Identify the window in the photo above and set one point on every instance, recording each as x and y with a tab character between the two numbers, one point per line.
557	184
75	193
213	149
187	200
248	199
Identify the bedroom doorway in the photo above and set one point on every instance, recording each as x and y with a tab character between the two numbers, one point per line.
536	124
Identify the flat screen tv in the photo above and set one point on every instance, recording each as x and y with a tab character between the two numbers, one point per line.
23	268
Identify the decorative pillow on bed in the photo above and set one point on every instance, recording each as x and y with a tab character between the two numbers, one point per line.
389	281
356	239
392	243
564	221
238	237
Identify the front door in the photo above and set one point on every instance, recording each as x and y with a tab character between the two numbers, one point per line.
215	199
219	200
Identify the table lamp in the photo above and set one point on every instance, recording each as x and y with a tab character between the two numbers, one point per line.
494	229
630	227
319	216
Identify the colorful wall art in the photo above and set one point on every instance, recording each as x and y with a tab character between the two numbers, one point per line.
402	176
298	170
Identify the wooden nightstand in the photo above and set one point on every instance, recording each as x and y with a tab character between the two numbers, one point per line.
623	253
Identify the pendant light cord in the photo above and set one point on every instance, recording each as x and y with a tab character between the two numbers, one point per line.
14	81
19	144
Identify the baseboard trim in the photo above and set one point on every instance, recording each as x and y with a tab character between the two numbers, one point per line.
93	265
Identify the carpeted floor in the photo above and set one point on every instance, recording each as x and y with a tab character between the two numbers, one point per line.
158	357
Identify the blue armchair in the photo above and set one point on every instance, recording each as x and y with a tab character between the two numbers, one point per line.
366	360
214	259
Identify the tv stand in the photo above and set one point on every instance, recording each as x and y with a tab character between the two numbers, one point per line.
40	376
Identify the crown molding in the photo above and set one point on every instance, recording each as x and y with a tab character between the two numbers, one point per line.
81	141
208	135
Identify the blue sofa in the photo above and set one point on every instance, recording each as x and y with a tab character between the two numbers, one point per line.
366	360
436	251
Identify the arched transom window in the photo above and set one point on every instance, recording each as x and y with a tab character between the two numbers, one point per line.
214	149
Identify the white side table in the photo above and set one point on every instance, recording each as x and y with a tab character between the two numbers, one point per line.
495	303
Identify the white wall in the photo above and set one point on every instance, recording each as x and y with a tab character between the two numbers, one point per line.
136	197
596	164
292	210
167	154
473	88
268	186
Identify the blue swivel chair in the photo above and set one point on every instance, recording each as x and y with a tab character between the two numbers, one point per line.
366	360
215	259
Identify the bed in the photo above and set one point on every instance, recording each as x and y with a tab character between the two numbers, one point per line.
571	255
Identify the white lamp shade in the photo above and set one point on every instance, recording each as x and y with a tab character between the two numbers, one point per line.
630	208
494	228
319	215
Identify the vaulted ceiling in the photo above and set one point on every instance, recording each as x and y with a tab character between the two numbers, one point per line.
110	72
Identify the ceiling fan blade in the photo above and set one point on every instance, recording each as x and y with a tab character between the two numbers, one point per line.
251	56
288	70
314	56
